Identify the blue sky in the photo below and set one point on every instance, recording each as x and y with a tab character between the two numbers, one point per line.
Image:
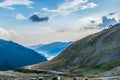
67	19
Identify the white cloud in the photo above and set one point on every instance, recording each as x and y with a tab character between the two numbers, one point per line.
89	5
89	22
3	32
8	34
45	29
116	16
71	6
20	17
9	3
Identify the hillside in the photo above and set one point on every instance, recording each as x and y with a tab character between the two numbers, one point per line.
13	56
52	49
113	72
96	53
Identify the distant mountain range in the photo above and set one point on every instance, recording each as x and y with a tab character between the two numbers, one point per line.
93	54
51	50
13	56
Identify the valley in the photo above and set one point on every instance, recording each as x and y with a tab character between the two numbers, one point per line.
93	57
59	40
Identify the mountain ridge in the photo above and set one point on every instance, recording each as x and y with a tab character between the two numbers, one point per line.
13	55
52	49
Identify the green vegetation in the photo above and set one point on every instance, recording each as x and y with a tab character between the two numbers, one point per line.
108	65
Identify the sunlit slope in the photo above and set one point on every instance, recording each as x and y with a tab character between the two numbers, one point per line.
99	51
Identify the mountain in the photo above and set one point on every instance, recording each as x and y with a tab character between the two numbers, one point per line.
36	46
114	71
13	56
92	54
51	50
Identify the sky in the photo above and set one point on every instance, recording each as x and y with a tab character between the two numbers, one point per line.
31	22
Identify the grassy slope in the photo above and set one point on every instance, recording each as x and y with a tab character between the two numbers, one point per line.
83	56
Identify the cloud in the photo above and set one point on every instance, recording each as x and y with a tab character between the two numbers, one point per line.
8	34
45	29
107	21
112	13
64	30
87	6
71	6
9	3
89	22
20	17
115	15
92	21
98	22
36	18
3	32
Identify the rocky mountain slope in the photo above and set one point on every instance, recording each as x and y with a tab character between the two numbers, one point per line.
13	56
100	51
